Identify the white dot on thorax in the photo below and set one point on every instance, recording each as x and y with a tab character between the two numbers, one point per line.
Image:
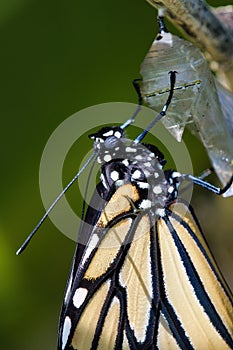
114	175
145	204
137	174
157	189
107	158
160	212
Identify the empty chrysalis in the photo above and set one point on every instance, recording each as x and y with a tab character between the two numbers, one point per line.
199	102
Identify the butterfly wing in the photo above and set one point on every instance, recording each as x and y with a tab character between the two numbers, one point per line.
195	300
109	298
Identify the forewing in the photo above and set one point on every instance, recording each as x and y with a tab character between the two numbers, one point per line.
110	299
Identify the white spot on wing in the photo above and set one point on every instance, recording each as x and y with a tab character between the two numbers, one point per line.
66	331
79	296
91	245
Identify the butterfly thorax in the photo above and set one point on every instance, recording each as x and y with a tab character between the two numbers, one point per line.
124	161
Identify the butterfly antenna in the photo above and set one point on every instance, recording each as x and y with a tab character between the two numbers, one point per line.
27	241
164	110
139	107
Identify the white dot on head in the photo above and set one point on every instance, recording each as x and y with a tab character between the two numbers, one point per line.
160	212
66	331
157	189
136	174
108	133
79	297
117	134
107	158
175	174
130	149
125	162
145	204
114	175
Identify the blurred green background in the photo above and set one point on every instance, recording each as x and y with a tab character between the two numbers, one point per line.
57	58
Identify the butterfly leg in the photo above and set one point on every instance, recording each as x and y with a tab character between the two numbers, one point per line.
207	185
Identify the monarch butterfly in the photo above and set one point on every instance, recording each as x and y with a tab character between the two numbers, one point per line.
143	277
200	103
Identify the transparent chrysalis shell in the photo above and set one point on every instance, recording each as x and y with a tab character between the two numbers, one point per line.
197	103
